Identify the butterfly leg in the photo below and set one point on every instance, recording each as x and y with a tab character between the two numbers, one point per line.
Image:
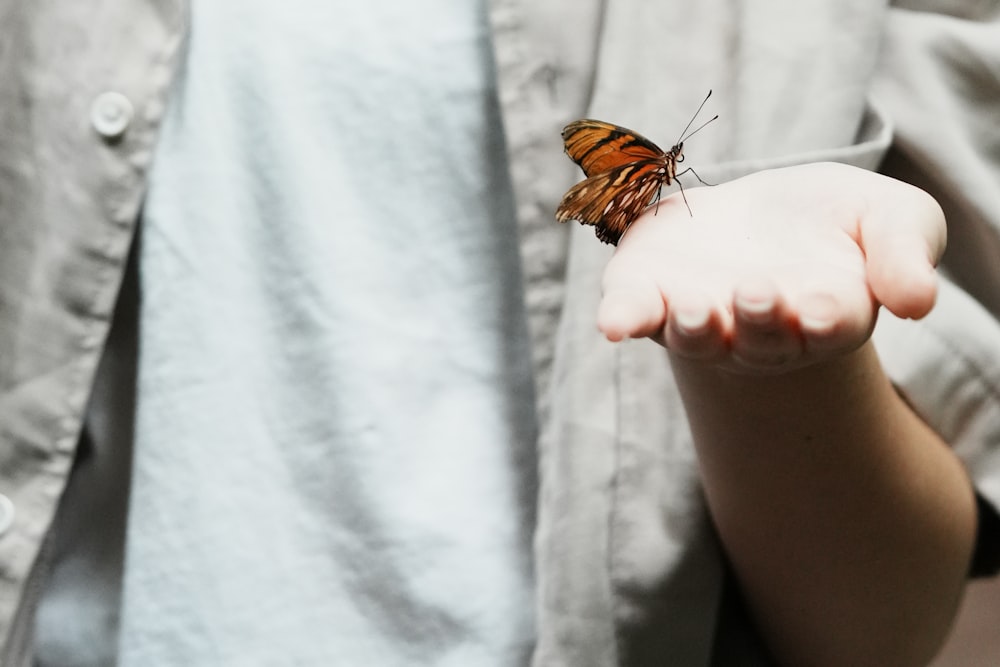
656	202
700	179
684	196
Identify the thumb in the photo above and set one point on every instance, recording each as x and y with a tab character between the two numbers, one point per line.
903	235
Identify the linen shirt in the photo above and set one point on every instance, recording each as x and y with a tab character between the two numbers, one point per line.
628	566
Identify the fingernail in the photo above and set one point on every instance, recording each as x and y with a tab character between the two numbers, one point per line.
759	311
817	314
815	325
691	320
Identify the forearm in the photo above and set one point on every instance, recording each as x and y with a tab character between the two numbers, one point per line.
849	523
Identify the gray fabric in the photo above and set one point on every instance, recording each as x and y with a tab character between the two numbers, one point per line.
77	619
68	202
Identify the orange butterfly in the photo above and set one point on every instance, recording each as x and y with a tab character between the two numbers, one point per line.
624	172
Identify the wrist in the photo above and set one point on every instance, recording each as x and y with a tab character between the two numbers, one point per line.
849	382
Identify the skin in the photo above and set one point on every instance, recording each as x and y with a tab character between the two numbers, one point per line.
848	522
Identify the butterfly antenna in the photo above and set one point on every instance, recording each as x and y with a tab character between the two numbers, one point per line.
684	136
696	130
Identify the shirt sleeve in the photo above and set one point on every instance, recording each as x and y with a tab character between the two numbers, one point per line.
937	85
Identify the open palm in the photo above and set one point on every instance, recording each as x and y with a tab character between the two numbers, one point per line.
776	270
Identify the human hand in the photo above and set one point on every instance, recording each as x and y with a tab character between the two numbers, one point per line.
777	270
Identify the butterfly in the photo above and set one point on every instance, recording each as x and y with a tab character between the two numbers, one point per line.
624	170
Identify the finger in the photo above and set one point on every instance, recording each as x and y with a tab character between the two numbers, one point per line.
765	333
830	324
903	236
631	310
695	330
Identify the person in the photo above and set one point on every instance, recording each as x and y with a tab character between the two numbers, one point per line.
334	437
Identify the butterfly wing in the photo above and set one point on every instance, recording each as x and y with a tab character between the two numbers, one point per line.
613	199
599	147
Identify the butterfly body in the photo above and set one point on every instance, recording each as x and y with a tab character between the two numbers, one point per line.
625	174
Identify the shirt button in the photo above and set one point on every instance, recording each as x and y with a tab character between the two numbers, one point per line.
111	114
6	514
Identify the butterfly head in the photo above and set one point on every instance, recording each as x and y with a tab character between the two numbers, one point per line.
677	152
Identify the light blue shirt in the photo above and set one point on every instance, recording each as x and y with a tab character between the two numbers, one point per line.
335	429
